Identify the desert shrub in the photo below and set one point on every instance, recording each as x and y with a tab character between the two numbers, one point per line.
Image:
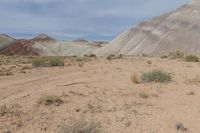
40	62
80	126
56	61
156	76
192	58
4	110
110	57
92	55
164	56
47	61
134	78
50	100
177	54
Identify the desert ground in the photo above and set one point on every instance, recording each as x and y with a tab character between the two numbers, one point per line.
100	91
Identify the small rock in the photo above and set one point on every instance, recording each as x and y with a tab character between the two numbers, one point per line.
181	127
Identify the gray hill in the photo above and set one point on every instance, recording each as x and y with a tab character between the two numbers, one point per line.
5	41
177	30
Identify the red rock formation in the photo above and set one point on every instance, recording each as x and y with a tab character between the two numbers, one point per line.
24	46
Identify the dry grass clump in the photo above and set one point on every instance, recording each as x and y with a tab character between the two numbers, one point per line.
80	126
50	100
156	76
10	109
4	110
143	95
134	78
110	57
47	61
191	93
192	58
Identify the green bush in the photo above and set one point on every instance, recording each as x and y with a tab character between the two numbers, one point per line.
192	58
156	76
47	61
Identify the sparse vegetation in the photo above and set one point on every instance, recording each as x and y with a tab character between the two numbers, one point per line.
12	109
143	95
135	78
47	61
156	76
192	58
50	100
177	54
80	126
7	60
89	56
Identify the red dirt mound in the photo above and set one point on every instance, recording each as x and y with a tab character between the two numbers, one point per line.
24	46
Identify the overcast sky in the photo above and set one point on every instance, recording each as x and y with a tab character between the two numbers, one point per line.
69	19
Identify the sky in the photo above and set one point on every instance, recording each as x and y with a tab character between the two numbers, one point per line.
71	19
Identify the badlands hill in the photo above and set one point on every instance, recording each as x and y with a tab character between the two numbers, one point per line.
46	46
177	30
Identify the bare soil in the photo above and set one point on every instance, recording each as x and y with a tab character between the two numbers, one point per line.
103	91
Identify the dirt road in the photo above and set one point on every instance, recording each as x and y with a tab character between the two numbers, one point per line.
103	91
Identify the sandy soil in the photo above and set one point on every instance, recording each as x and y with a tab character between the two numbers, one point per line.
103	91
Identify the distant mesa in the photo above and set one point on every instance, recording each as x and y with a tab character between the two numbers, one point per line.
80	40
